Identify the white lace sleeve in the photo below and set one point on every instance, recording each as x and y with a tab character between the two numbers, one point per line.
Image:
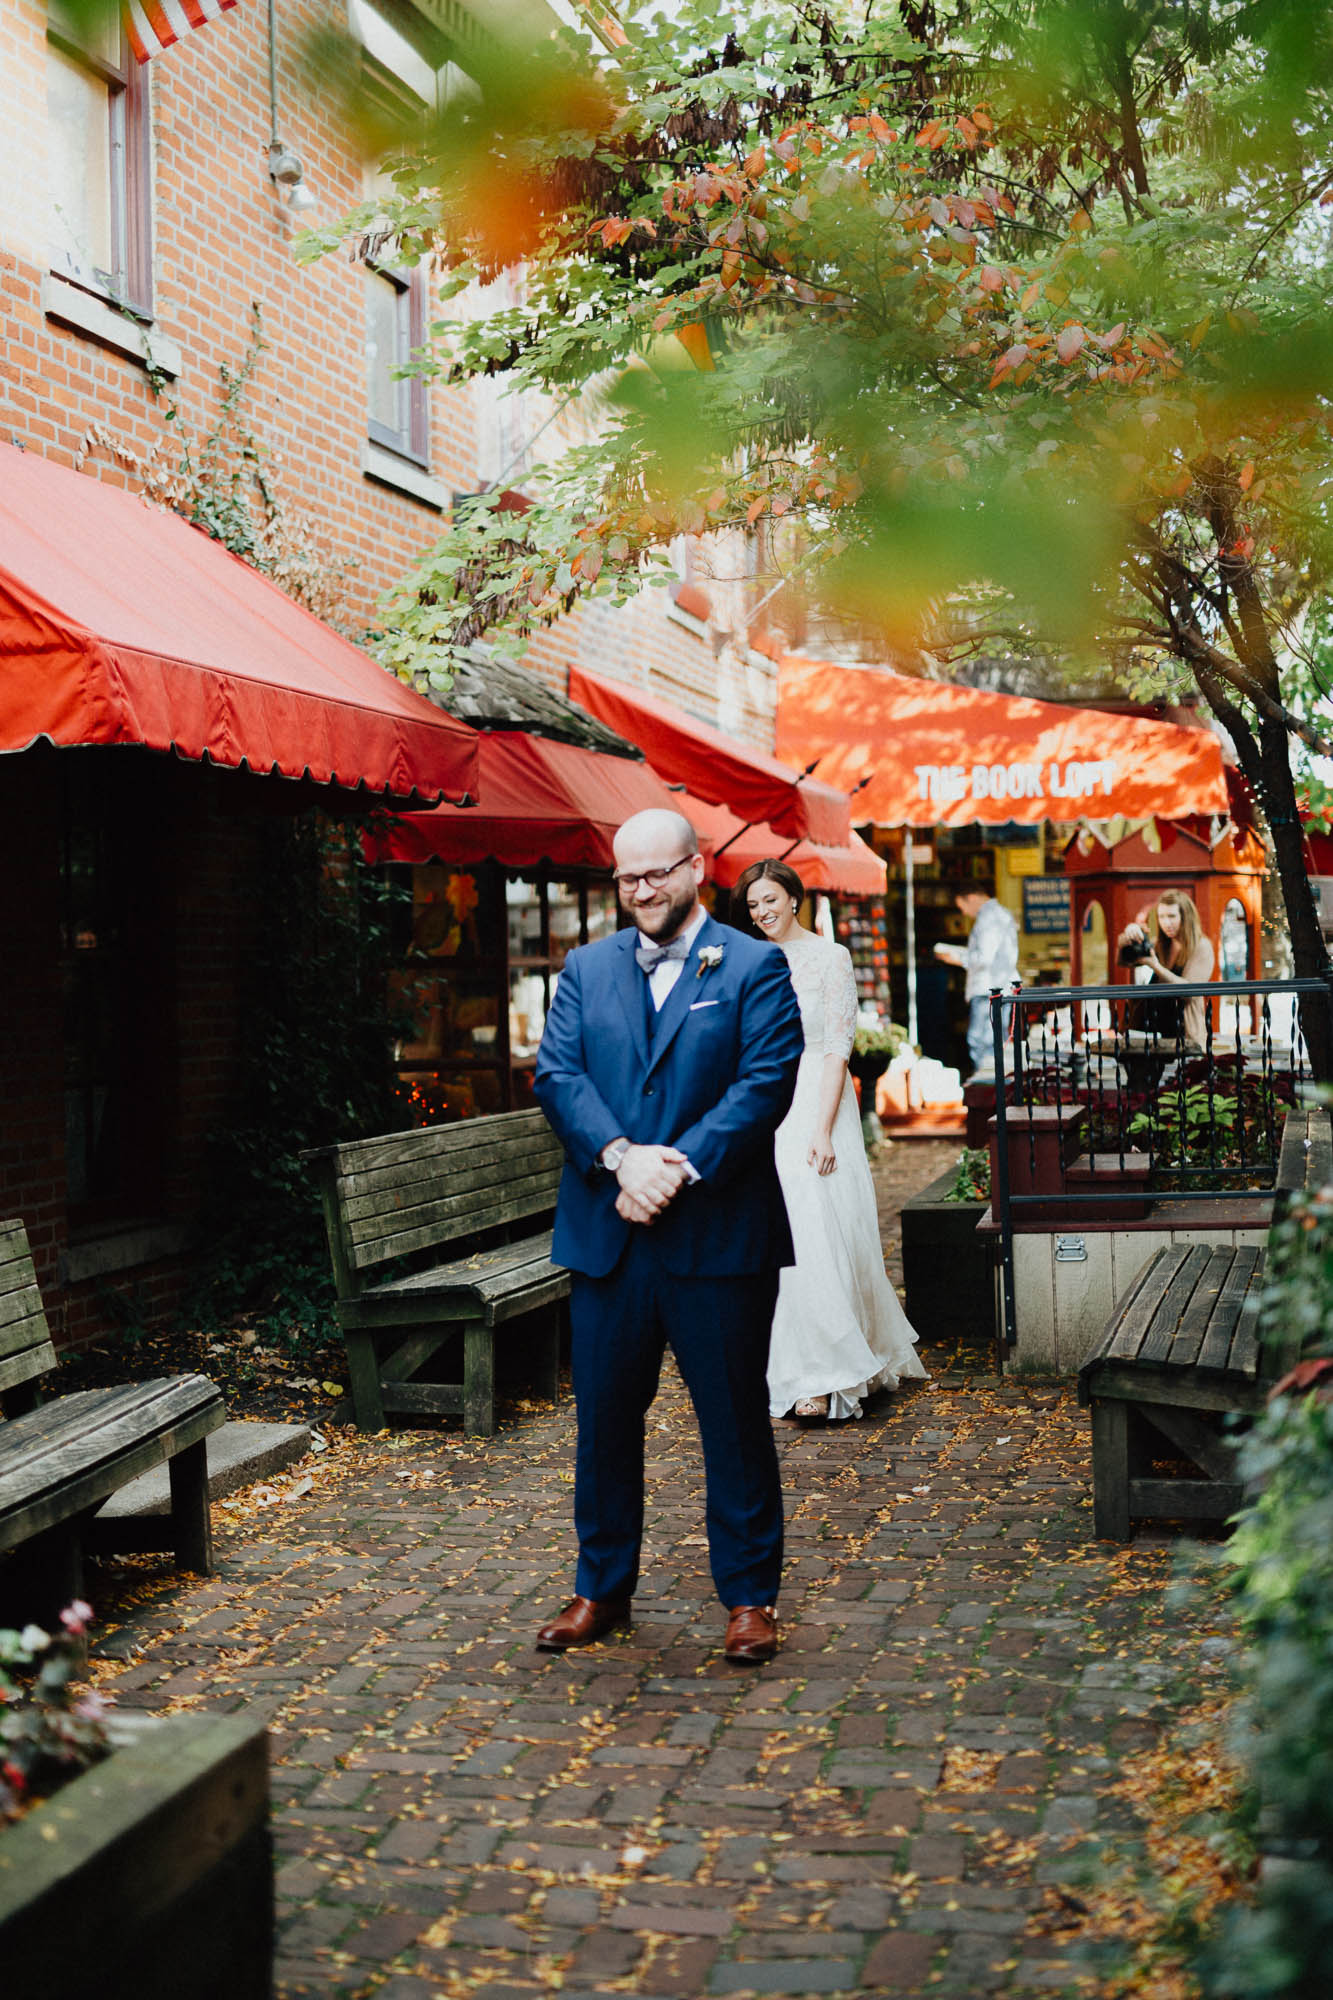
839	1003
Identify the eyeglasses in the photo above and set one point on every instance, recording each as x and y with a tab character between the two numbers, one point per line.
654	877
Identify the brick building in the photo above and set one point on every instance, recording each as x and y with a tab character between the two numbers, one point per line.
148	281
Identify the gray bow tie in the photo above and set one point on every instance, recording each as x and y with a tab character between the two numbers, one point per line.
649	956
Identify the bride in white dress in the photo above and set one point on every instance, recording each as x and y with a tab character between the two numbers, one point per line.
839	1331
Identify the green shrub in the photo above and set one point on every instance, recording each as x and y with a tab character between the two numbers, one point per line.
972	1180
1279	1945
879	1038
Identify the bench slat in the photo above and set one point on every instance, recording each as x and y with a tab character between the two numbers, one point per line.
1179	1343
26	1443
1216	1338
356	1156
430	1235
1293	1152
362	1213
1215	1348
1174	1330
1179	1292
465	1272
422	1399
367	1188
416	1206
546	1288
1244	1357
26	1366
13	1244
66	1457
1130	1325
22	1320
517	1278
1184	1499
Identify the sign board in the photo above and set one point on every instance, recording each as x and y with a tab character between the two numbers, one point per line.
1046	905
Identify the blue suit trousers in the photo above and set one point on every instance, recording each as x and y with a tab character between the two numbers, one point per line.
718	1329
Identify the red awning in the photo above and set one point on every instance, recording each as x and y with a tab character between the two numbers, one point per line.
853	869
713	766
120	624
941	755
538	800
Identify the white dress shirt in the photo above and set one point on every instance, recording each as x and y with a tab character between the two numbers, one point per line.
992	950
668	970
664	976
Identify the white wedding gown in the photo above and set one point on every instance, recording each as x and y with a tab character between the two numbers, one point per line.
839	1330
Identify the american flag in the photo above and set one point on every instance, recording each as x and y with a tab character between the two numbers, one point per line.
155	24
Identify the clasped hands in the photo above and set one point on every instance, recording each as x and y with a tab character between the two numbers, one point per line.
650	1178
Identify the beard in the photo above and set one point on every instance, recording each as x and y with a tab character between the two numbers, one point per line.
661	920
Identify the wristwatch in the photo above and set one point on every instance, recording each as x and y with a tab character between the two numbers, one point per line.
612	1155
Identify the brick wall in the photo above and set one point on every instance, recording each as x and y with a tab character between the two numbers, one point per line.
222	240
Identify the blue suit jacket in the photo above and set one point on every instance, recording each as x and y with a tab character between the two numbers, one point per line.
715	1079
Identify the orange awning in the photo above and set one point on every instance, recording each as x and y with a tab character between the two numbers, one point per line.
713	766
852	869
120	624
537	800
941	755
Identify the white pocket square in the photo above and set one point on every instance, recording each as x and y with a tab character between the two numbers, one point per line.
695	1005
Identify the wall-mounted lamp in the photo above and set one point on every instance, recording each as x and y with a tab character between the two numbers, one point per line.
288	176
284	166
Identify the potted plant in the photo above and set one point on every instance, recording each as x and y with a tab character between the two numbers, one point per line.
874	1046
136	1844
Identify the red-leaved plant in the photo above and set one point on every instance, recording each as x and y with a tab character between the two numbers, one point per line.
48	1731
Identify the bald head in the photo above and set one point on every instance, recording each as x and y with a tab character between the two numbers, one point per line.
660	844
658	826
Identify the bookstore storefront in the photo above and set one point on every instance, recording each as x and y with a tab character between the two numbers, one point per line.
970	790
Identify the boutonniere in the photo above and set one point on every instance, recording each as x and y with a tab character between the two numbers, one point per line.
709	955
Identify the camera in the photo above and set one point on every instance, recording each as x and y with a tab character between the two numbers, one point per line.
1134	951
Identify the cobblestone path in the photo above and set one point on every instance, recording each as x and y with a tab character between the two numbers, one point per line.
887	1809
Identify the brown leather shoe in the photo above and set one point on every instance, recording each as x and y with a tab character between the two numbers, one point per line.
582	1621
752	1634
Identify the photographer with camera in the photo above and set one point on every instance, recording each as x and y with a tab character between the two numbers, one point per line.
1179	956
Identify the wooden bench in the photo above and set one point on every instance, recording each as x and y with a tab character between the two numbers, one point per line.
483	1191
1183	1354
60	1460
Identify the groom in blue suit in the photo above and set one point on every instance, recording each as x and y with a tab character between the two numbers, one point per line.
668	1061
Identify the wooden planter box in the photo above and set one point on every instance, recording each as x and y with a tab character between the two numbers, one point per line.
946	1266
151	1875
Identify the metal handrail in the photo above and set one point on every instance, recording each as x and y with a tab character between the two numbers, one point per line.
1006	1012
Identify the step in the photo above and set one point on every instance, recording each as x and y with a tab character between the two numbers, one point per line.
238	1454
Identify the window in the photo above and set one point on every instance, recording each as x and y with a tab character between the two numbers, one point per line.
469	1001
395	327
406	75
97	135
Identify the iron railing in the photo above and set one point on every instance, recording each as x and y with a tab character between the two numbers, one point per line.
1110	1074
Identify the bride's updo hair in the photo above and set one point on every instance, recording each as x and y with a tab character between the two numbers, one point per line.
767	871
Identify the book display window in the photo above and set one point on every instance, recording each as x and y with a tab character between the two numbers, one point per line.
480	966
